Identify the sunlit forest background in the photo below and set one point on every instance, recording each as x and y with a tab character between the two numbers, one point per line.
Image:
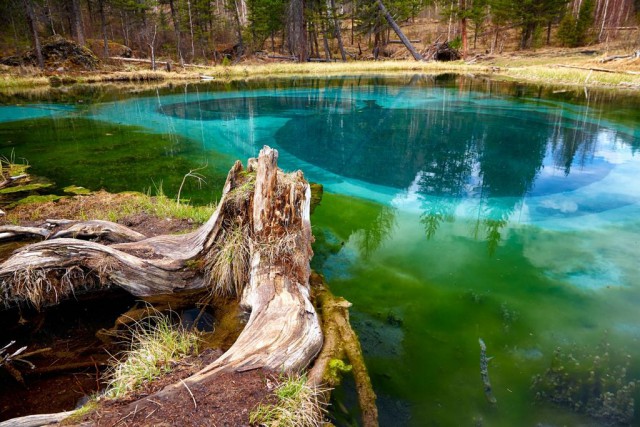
218	31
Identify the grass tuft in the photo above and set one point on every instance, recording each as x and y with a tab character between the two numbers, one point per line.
299	405
156	345
227	265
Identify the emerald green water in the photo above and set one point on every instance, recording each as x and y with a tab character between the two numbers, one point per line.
455	209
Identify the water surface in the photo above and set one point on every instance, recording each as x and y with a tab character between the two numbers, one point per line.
455	209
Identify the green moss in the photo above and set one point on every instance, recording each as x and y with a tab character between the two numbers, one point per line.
80	413
336	369
74	189
35	199
24	188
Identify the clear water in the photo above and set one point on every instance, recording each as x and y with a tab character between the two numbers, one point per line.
455	209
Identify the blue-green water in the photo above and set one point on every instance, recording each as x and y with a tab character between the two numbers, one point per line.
455	209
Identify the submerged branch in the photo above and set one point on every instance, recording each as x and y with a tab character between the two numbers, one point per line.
484	373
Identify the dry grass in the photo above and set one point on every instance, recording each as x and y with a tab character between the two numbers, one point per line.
44	286
137	76
340	69
227	264
535	66
570	76
11	81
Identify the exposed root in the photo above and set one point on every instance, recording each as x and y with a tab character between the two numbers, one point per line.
41	287
341	342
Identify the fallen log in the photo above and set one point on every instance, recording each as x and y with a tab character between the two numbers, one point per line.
392	23
602	70
255	246
341	343
286	58
36	420
484	374
635	54
401	42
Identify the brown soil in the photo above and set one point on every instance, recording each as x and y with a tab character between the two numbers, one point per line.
226	400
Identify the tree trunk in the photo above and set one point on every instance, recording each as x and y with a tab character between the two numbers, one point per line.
176	27
33	28
463	29
398	31
103	24
338	31
297	30
193	48
325	42
238	29
76	20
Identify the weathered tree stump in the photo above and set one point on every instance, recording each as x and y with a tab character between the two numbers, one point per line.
257	245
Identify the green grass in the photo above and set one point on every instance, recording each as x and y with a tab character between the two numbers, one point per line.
11	81
298	405
153	349
163	207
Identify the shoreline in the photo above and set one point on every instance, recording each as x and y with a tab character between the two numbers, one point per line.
544	68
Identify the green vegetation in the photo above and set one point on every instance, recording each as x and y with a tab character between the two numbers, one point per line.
74	189
573	31
80	413
69	151
593	384
335	371
227	266
156	343
298	405
35	199
24	188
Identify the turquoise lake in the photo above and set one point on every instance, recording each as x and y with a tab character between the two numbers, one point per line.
455	209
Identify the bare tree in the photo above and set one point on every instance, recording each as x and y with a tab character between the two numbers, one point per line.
463	27
336	29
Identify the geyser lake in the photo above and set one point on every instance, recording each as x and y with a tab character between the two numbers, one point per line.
454	209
